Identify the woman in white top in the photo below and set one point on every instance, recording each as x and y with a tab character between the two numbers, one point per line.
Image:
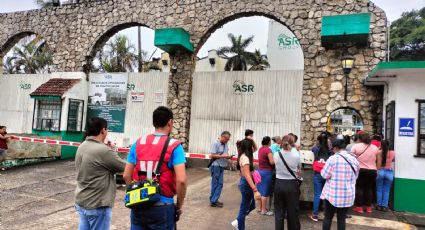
246	184
286	189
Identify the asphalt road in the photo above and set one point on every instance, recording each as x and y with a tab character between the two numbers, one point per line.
42	196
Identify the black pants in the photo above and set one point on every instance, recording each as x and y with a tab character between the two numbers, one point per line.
286	200
365	187
329	214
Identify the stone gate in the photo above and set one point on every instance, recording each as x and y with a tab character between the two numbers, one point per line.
76	32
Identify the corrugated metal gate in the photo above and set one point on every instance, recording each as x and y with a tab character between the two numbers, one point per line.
269	102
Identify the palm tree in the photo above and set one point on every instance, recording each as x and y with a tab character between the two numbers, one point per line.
238	56
258	61
9	67
43	3
32	57
119	56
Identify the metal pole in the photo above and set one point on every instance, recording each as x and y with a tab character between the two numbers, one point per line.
346	86
140	50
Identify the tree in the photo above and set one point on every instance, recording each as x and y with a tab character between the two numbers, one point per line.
44	3
241	57
407	41
30	57
119	55
9	67
258	61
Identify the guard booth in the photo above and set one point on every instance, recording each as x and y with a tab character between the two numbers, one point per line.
59	106
404	127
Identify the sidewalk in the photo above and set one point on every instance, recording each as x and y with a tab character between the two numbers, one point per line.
42	197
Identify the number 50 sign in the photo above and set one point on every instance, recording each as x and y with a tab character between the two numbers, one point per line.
137	96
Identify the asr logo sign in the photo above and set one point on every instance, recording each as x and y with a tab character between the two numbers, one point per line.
240	88
286	42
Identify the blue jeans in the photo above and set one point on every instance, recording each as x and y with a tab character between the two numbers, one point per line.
318	183
247	202
94	219
217	177
384	181
155	218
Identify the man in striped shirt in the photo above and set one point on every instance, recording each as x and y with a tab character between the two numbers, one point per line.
340	171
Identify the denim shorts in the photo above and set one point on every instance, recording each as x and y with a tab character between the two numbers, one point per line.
265	186
2	152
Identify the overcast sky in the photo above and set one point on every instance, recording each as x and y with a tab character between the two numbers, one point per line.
256	26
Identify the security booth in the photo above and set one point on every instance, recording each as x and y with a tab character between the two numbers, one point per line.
59	106
404	127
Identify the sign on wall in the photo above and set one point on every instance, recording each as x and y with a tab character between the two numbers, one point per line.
284	51
108	99
137	96
406	127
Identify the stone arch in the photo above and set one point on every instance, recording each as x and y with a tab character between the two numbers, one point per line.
357	112
99	41
229	18
11	41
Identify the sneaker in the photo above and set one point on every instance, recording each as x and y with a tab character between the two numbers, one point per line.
216	205
378	208
384	209
358	209
314	218
369	209
219	203
235	224
267	213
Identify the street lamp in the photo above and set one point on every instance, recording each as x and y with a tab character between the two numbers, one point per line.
347	65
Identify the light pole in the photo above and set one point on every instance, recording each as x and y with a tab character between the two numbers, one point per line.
347	65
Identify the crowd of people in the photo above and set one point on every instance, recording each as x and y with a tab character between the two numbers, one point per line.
345	175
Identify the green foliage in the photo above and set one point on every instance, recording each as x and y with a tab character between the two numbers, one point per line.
29	57
119	55
258	61
241	57
407	41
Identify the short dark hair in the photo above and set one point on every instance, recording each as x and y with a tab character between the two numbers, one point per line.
248	132
225	133
2	126
161	116
339	143
95	126
295	137
266	140
364	137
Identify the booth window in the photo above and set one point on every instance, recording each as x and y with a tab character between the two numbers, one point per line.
390	122
75	115
47	114
421	129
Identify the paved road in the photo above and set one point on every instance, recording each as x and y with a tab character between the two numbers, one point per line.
41	197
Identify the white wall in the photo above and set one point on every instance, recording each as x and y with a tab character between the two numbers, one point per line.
288	56
138	115
16	106
404	90
203	65
274	108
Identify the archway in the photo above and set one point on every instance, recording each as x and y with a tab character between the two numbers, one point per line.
133	40
272	44
240	99
345	120
26	52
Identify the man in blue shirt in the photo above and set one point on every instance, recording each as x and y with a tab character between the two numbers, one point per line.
163	214
219	156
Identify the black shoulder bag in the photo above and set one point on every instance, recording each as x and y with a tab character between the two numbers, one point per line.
290	170
354	171
212	160
145	193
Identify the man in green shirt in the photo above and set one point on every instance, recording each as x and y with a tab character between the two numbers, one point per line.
96	165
